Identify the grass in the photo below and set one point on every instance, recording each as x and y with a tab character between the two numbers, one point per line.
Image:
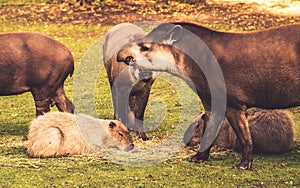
17	170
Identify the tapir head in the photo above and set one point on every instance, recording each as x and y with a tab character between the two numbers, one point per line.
155	51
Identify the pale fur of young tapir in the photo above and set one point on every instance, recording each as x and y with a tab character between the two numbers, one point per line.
272	132
58	134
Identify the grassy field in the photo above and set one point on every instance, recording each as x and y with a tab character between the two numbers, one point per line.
17	170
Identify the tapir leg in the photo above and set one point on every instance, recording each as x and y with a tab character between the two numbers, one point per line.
131	111
138	102
41	99
202	156
62	102
239	123
42	106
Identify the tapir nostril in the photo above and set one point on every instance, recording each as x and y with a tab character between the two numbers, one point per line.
128	60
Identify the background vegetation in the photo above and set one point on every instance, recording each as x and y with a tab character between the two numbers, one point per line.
79	27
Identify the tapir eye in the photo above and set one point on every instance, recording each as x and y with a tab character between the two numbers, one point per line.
144	48
121	134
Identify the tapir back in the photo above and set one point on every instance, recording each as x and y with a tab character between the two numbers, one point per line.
260	68
29	59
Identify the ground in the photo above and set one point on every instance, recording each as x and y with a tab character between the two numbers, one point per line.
245	16
79	28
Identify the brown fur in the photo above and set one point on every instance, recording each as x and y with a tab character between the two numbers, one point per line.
57	134
36	63
125	82
260	69
272	132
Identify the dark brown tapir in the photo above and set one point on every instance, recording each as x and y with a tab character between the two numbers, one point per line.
259	69
36	63
130	87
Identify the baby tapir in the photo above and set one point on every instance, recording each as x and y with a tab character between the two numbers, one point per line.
57	134
272	132
36	63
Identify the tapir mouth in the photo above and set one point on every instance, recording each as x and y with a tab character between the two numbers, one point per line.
145	75
142	74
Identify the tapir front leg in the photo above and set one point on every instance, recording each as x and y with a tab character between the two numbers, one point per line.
129	105
239	122
138	102
203	156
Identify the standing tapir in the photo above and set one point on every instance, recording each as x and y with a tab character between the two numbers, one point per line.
260	69
130	87
36	63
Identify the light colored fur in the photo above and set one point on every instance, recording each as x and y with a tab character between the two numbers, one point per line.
272	132
58	133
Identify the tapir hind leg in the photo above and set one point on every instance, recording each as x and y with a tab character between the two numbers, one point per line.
62	102
41	99
42	106
239	123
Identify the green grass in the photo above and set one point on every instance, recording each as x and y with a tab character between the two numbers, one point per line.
17	170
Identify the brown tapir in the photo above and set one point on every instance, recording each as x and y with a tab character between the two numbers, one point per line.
36	63
272	132
58	133
233	70
130	87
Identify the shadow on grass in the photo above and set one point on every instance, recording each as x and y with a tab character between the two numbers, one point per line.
13	129
14	151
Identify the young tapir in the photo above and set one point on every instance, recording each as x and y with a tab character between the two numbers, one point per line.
259	69
36	63
58	133
130	87
272	132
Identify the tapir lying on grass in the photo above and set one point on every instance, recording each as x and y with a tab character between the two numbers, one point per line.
242	70
57	134
130	87
36	63
272	132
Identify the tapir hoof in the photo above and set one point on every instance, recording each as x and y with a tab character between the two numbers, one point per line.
143	136
199	158
244	165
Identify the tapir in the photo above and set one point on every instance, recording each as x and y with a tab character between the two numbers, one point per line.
258	69
36	63
130	87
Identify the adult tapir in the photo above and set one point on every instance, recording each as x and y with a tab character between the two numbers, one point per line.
130	87
36	63
260	69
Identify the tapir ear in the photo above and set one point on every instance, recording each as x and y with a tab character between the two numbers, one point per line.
173	35
112	125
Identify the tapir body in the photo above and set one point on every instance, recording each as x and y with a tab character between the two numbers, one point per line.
36	63
257	69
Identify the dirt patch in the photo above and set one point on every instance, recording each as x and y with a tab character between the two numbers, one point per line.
245	16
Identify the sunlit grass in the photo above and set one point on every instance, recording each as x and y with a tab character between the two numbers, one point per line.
16	112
